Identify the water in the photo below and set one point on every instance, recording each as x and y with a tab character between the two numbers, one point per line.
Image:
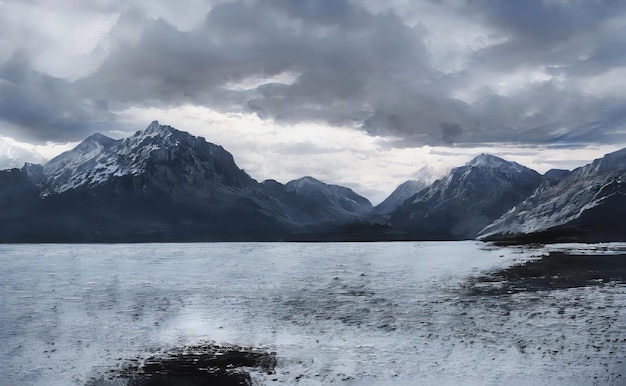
346	313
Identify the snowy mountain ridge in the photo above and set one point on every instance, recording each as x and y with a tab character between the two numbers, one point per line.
99	158
74	167
164	184
569	203
491	161
470	197
403	192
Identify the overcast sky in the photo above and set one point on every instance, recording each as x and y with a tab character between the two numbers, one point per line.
362	93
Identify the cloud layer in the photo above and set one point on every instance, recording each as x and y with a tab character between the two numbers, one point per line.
426	72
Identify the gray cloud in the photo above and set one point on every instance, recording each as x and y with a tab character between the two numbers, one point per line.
372	70
46	107
577	38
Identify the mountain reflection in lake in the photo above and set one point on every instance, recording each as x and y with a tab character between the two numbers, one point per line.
442	313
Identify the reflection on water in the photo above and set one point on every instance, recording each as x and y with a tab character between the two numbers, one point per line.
357	313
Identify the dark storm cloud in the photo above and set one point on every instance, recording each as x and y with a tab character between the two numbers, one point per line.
577	37
345	58
352	66
46	107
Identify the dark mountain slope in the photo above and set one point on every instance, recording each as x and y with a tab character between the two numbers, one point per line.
161	184
466	200
589	204
403	192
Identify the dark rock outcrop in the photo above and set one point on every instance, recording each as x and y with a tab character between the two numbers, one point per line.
200	365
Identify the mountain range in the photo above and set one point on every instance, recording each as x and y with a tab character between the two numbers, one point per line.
465	201
588	204
162	184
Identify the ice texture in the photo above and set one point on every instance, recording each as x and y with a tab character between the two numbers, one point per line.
345	313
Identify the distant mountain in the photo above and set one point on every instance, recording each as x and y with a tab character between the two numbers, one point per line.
588	204
309	201
77	166
160	184
553	176
469	198
403	192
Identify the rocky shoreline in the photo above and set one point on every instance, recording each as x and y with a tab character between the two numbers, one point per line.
203	364
558	270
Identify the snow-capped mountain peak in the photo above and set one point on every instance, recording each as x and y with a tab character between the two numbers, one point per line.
153	127
467	199
589	201
94	142
485	174
484	159
492	162
156	135
63	171
89	148
99	158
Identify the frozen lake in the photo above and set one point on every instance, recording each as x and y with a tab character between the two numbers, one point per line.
415	313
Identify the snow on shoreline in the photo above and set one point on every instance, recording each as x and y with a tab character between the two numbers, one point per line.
347	313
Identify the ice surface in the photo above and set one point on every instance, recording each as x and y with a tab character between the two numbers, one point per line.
346	313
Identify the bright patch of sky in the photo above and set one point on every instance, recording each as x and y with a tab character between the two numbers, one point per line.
337	155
